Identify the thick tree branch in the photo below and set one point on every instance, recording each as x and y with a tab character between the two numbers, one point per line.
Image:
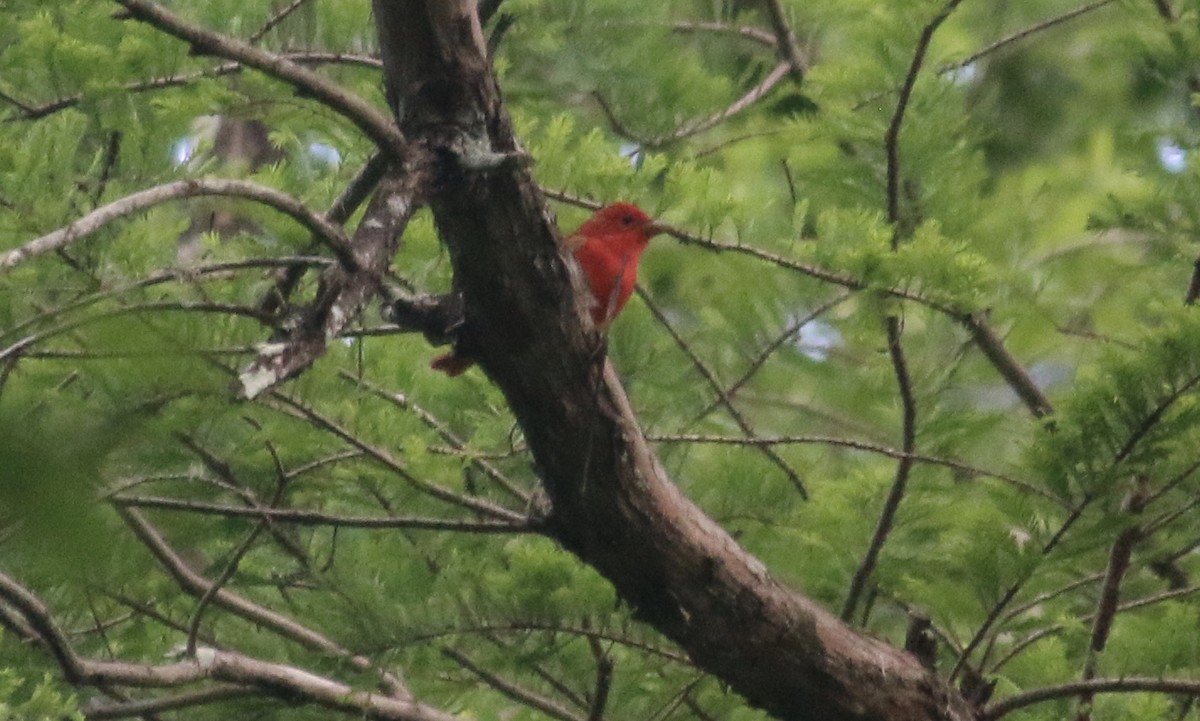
612	502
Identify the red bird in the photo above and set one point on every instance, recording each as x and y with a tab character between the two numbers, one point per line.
608	247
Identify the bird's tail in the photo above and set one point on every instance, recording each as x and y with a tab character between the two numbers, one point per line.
451	364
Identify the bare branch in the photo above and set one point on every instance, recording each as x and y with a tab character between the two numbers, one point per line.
867	446
142	200
286	682
33	617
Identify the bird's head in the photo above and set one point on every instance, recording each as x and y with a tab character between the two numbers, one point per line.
622	220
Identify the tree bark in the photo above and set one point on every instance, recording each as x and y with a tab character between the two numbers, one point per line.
612	503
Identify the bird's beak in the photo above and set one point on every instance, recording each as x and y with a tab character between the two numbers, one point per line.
656	227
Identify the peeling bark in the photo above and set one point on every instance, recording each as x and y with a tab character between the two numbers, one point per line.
343	289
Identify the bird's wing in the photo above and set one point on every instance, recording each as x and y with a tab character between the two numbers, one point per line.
574	242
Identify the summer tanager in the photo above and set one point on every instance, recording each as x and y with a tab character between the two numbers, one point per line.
608	247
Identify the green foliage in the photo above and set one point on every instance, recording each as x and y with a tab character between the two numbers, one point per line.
34	699
1031	192
1129	418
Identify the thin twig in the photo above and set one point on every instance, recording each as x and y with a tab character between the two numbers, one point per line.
511	690
990	343
1024	33
305	517
36	112
1185	687
230	569
715	385
997	609
786	336
758	35
101	711
377	126
1165	11
224	471
294	407
524	627
274	21
891	139
687	130
443	431
23	107
887	517
867	446
604	676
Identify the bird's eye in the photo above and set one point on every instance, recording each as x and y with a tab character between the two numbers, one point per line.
627	219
